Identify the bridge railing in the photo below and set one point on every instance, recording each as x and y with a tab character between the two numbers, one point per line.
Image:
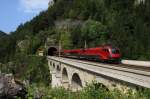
137	63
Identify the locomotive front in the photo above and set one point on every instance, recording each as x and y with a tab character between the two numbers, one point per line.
115	55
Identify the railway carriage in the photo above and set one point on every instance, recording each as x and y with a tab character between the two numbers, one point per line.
102	53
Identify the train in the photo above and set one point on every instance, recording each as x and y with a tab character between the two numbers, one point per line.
105	53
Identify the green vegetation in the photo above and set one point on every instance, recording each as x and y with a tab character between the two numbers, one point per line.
7	46
32	69
123	23
118	22
89	92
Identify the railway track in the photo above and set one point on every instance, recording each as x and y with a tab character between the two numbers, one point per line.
143	68
122	67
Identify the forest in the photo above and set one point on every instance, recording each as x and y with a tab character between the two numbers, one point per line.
123	23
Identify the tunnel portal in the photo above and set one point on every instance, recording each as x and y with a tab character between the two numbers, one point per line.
52	51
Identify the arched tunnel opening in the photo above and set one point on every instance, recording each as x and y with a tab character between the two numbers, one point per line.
52	51
76	82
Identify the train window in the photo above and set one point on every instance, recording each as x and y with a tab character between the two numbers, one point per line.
105	50
115	51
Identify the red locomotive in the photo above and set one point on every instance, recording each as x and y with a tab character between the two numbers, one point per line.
105	53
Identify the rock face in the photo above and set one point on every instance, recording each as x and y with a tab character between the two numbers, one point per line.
9	88
23	45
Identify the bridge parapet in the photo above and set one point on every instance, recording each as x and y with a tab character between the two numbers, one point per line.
137	63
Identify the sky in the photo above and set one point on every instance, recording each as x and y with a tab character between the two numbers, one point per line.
15	12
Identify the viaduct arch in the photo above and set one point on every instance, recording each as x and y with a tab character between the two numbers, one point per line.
64	74
76	82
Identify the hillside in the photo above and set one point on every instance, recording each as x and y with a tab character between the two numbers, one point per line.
125	24
6	47
122	23
2	34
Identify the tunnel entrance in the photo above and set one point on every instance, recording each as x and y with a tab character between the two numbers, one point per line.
52	51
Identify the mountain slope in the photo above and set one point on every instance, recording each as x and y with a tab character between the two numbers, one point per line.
121	23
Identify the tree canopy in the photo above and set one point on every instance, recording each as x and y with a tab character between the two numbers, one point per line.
124	23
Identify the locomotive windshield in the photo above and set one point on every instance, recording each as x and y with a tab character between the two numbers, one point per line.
106	50
115	51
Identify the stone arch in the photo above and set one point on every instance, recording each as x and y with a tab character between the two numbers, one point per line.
50	63
65	78
58	68
76	82
53	65
52	51
65	74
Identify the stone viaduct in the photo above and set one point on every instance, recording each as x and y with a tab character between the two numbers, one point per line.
76	74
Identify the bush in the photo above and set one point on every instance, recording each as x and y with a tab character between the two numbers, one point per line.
92	91
32	68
